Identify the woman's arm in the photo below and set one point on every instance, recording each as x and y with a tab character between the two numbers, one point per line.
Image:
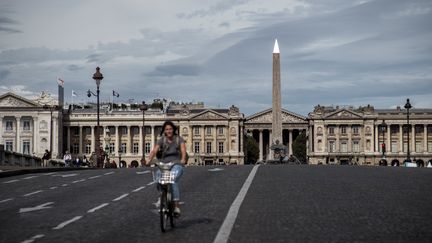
152	154
183	153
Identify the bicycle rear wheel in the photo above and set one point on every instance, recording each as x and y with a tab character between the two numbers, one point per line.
170	204
163	211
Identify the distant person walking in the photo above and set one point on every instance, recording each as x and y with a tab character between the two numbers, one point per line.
45	158
67	157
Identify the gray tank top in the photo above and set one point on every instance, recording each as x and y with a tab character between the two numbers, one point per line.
173	153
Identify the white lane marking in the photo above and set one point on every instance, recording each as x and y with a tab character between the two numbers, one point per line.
11	181
36	208
97	208
60	226
109	173
5	200
65	185
121	197
78	181
143	172
53	187
51	173
67	175
151	183
226	227
29	177
215	169
33	238
138	189
31	193
94	177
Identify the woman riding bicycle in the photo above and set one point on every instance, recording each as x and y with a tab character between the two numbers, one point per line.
173	149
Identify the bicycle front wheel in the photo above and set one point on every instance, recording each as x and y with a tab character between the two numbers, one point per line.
163	211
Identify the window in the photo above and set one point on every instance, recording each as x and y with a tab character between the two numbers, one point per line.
344	146
75	131
355	129
405	146
394	146
123	147
418	146
125	130
26	147
75	148
356	146
112	148
208	130
331	130
343	129
209	147
221	147
9	125
9	145
418	129
26	125
220	130
147	130
196	147
332	146
319	145
429	129
88	148
196	130
429	146
135	148
147	147
394	129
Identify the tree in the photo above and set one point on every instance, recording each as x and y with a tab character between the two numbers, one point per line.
299	147
252	150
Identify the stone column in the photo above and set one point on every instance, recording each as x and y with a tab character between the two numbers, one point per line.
325	142
270	154
388	145
401	141
68	139
129	139
152	144
349	131
215	146
35	137
425	138
18	134
290	141
241	138
141	140
413	139
80	149
117	141
92	132
204	147
260	144
376	134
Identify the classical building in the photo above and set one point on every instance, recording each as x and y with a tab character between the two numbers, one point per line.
347	135
212	135
259	125
26	124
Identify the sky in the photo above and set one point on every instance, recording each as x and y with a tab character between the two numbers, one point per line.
333	52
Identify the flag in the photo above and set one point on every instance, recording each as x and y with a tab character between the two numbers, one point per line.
116	94
74	94
60	82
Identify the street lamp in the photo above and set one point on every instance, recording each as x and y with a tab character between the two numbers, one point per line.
97	76
51	108
143	108
107	146
408	107
119	154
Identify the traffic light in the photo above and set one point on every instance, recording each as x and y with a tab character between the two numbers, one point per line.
383	147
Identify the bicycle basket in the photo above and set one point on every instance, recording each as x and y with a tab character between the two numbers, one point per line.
167	177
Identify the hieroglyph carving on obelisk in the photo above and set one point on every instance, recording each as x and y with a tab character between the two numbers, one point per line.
276	108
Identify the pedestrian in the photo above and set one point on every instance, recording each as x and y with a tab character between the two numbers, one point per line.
67	157
45	158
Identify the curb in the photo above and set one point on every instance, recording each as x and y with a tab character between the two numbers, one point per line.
38	170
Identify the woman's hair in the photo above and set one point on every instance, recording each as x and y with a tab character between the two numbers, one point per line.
168	123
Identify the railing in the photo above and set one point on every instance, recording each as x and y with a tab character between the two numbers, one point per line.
9	158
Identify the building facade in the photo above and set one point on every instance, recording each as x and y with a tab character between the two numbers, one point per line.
348	135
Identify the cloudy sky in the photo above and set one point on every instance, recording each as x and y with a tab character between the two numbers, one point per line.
337	52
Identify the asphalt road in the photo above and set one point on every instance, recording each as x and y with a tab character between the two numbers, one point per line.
282	204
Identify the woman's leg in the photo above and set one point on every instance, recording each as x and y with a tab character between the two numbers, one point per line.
178	169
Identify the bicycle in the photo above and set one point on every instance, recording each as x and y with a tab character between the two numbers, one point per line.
166	206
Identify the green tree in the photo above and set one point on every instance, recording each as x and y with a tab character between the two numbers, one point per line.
251	150
299	147
156	105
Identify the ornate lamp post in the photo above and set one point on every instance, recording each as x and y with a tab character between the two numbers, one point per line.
408	107
143	108
107	146
51	108
97	76
383	145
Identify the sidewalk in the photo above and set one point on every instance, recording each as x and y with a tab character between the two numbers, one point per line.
6	171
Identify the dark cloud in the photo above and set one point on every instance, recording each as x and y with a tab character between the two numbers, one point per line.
7	25
74	68
176	69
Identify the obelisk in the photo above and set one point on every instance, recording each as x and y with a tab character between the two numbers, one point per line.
276	108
